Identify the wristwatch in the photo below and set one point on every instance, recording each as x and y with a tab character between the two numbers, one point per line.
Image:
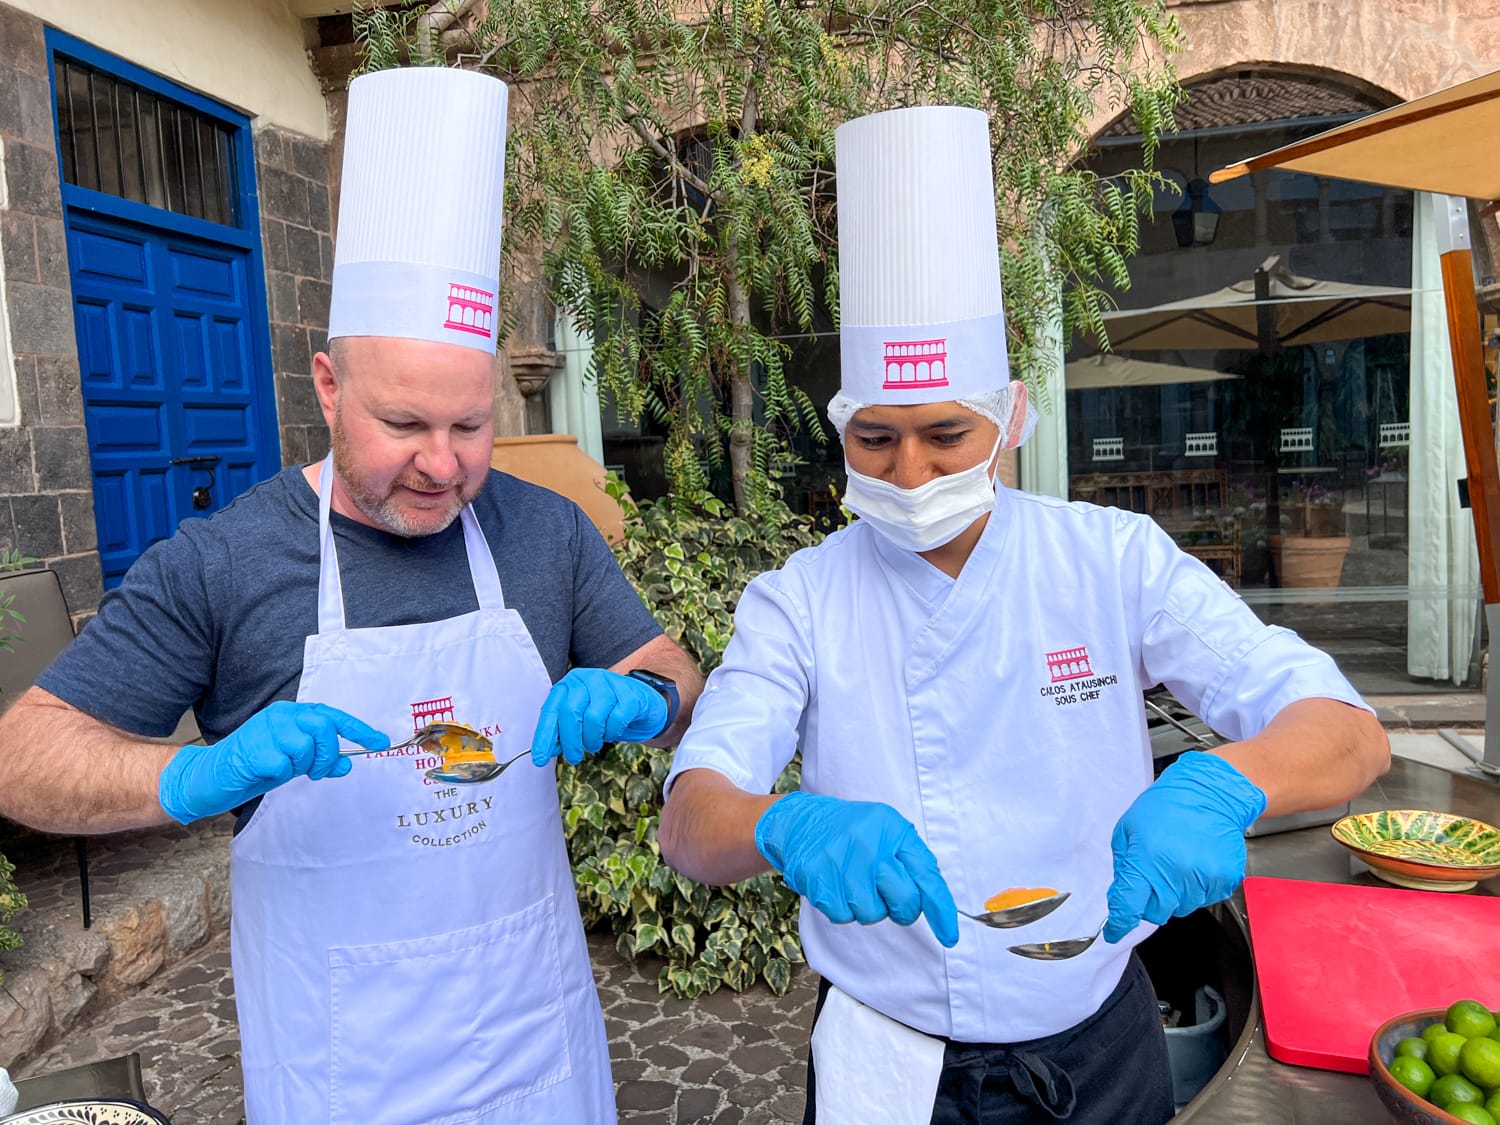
667	688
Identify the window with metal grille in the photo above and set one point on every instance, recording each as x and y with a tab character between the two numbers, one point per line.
124	140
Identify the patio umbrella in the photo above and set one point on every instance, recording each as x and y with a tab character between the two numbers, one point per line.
1441	143
1274	308
1098	371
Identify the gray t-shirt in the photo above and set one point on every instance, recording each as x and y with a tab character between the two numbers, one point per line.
214	618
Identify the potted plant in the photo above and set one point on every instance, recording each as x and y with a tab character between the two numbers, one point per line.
1247	506
1311	549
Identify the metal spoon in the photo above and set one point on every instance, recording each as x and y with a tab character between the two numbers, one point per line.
470	741
1019	915
1057	950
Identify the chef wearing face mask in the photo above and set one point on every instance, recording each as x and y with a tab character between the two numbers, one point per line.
962	671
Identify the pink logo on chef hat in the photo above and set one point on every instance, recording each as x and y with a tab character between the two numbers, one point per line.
914	365
1069	664
470	310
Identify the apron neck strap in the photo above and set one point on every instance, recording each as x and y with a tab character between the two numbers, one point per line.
482	570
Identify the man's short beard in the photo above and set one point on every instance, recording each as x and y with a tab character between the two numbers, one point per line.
383	510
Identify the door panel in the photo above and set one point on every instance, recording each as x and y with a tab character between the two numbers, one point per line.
163	323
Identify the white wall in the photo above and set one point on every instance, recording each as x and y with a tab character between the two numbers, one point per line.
249	54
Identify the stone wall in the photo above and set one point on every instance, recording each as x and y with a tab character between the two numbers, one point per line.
46	487
1404	48
296	223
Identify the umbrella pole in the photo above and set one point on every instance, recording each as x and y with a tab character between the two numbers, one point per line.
1478	435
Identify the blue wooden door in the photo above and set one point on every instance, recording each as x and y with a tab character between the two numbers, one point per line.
166	351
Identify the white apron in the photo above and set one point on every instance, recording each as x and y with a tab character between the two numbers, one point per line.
871	1069
408	953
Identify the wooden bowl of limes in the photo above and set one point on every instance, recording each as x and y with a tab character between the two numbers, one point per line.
1425	1069
1430	851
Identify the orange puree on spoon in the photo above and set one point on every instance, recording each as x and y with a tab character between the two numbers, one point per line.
1017	896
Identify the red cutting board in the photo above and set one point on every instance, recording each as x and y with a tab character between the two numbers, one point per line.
1334	962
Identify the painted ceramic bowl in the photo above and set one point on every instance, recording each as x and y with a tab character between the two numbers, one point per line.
1430	851
1404	1106
88	1111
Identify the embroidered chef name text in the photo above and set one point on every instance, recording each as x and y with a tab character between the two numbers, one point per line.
1078	691
462	820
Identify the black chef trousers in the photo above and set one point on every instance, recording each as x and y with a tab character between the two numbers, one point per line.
1111	1069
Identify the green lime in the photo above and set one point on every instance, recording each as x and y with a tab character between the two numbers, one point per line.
1479	1060
1474	1114
1412	1048
1412	1073
1469	1018
1492	1103
1433	1030
1443	1050
1454	1089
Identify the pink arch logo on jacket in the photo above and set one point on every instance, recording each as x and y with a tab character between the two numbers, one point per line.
915	364
470	310
1069	664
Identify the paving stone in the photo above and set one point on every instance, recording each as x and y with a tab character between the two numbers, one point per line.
713	1037
752	1033
697	1104
702	1072
666	1056
644	1095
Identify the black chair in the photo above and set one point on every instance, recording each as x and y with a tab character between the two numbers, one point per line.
45	632
107	1078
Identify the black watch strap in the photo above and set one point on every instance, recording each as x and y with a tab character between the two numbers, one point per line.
667	688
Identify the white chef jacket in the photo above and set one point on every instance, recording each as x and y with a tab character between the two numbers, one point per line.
1000	712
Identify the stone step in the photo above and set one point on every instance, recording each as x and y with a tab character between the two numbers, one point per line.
157	896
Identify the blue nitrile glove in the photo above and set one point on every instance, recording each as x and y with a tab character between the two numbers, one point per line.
1181	844
856	861
591	706
270	748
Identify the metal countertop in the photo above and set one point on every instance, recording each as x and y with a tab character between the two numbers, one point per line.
1251	1087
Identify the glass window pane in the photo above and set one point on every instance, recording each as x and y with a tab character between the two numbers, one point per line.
82	116
127	137
64	120
227	177
149	124
104	133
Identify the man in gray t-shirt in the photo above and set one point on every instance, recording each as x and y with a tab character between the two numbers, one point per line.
242	591
340	603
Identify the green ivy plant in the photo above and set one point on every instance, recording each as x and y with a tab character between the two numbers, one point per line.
689	560
12	901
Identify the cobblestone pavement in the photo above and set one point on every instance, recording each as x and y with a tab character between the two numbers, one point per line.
724	1059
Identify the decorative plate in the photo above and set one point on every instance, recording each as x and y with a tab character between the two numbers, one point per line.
1430	851
88	1111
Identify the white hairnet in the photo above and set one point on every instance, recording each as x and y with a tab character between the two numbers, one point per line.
1009	408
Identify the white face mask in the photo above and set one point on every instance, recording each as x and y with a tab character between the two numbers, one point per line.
926	517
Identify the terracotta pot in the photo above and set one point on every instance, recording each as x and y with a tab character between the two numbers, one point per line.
1325	521
554	461
1309	560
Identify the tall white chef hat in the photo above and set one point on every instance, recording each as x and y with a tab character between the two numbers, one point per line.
919	269
418	248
